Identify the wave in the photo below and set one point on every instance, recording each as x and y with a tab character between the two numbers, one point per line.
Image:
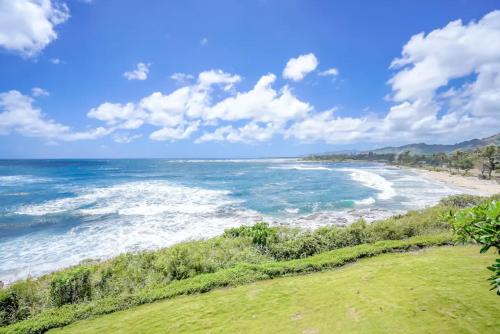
366	201
372	180
12	180
126	217
270	160
134	198
301	167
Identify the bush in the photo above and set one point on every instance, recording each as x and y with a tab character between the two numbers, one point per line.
189	259
481	224
462	201
71	287
260	233
20	300
9	307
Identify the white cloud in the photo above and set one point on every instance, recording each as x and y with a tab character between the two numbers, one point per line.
262	103
249	133
430	61
204	41
140	73
180	113
17	114
55	61
297	68
165	110
430	104
217	77
330	129
125	138
439	109
175	133
37	91
329	72
181	78
28	26
112	113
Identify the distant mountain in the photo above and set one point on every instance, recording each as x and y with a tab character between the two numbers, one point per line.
427	149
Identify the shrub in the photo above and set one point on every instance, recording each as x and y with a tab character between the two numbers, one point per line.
189	259
482	224
126	273
20	300
9	307
260	233
70	287
295	246
462	201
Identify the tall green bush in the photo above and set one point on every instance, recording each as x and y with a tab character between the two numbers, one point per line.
71	287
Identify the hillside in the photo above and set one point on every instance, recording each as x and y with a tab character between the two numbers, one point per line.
440	290
427	149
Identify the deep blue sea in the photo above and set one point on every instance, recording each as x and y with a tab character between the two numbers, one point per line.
56	213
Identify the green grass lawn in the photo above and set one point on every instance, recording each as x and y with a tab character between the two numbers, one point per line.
438	290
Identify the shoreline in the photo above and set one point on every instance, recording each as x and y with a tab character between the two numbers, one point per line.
470	184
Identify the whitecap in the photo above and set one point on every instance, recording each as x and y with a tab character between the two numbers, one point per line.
372	180
300	167
365	201
12	180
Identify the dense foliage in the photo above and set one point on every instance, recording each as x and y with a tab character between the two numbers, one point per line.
115	280
237	275
482	224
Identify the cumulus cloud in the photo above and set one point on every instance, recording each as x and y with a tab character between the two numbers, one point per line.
430	104
297	68
28	26
140	73
217	77
17	114
430	61
439	108
180	113
175	133
55	61
329	72
249	133
125	138
181	78
262	103
37	91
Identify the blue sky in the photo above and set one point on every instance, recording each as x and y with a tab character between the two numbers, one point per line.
88	102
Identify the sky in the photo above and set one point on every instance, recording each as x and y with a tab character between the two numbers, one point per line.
241	79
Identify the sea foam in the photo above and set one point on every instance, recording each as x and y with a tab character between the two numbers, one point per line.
301	167
372	180
125	217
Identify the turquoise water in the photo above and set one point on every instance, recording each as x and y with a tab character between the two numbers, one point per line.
55	213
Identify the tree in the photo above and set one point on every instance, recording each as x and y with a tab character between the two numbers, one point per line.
489	156
481	224
466	164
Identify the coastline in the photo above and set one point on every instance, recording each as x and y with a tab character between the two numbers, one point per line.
470	184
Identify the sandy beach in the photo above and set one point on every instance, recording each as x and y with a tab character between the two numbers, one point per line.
470	184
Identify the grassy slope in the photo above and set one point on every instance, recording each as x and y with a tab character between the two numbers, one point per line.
432	291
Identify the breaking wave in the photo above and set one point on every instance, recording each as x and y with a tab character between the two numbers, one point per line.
372	180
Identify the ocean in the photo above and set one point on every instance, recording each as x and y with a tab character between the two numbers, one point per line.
56	213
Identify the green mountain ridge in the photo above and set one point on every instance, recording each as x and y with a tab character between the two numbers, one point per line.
427	149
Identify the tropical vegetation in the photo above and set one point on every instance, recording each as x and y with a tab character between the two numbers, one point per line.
240	255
